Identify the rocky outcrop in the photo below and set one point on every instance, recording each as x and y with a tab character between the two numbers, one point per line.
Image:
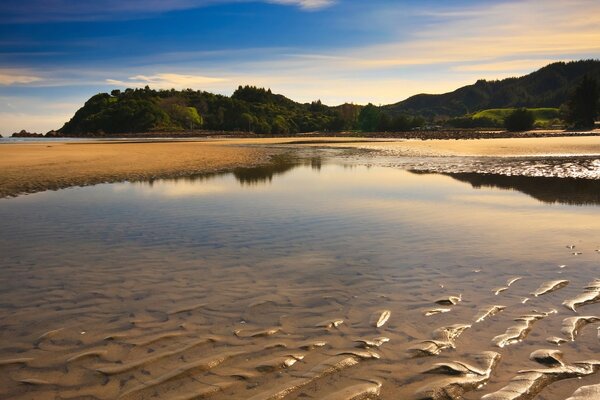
24	133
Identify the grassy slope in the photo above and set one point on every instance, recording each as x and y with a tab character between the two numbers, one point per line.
542	115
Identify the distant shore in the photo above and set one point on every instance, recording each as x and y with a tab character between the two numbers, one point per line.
34	167
422	134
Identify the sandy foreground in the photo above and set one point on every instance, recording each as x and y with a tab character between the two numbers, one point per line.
33	167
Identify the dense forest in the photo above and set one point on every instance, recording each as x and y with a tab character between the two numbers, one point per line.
258	110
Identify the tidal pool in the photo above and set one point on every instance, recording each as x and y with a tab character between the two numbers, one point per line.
270	282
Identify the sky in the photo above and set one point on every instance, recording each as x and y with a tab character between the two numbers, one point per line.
55	54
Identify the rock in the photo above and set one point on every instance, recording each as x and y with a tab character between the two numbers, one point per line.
24	133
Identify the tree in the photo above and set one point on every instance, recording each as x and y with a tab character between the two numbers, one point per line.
186	117
520	119
247	121
582	107
368	119
280	126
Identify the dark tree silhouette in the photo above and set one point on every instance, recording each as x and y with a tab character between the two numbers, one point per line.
368	119
582	108
520	119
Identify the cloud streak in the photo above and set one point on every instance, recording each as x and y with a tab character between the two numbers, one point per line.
17	77
167	81
27	11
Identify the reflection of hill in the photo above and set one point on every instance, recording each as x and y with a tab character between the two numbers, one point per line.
264	174
548	190
278	166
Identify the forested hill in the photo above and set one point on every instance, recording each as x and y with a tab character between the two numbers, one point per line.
248	109
549	86
261	111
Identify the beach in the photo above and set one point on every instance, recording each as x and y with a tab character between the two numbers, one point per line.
34	167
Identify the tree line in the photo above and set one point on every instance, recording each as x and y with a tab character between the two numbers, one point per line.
258	110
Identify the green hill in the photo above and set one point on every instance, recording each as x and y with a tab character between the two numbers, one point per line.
248	109
543	116
261	111
549	86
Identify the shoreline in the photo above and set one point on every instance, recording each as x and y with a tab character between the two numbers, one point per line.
416	134
35	167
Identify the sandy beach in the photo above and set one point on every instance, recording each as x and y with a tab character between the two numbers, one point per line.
34	167
27	168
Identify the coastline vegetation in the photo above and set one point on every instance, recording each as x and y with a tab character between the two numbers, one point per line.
560	94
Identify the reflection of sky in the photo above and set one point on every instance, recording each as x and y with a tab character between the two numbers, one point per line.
385	216
55	55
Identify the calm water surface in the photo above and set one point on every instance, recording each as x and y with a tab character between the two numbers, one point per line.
217	286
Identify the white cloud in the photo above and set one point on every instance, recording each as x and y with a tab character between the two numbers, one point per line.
17	77
305	4
166	81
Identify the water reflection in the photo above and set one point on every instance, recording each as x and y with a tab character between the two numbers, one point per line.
279	166
251	176
569	191
151	283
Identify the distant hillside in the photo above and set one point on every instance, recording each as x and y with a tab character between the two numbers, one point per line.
248	109
260	111
547	87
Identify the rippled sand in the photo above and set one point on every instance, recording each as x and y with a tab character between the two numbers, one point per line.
122	332
170	291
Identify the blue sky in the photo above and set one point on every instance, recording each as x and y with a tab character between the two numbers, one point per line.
57	53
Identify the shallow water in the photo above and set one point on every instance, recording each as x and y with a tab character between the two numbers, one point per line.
217	286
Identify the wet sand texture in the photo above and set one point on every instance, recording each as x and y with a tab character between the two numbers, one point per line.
26	168
139	336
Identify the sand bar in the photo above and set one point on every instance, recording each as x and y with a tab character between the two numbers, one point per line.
33	167
27	168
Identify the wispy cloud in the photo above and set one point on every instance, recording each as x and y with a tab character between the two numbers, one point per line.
16	11
17	77
306	4
166	81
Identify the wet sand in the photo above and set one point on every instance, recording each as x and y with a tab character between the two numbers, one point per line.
26	168
177	301
34	167
514	147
